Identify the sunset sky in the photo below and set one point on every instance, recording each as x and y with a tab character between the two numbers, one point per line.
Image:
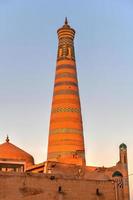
104	55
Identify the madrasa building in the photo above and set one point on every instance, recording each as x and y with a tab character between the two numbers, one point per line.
64	175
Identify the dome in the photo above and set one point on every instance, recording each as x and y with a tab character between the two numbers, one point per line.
117	174
123	146
12	153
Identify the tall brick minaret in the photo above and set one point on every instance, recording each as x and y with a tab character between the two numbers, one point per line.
66	141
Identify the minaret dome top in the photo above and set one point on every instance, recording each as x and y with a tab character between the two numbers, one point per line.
66	31
123	146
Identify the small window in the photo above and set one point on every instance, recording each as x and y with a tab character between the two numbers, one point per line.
60	52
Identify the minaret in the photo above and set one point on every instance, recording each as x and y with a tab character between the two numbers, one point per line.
124	169
66	141
123	155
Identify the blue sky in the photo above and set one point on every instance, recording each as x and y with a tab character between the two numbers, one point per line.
104	46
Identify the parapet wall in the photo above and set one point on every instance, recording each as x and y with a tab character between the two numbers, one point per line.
28	186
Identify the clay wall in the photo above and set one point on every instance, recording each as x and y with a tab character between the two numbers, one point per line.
23	186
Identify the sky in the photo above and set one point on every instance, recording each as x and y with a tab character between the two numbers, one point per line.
103	45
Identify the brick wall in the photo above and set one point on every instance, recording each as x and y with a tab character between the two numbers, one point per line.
14	186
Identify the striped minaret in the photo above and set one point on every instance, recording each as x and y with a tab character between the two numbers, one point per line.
66	141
